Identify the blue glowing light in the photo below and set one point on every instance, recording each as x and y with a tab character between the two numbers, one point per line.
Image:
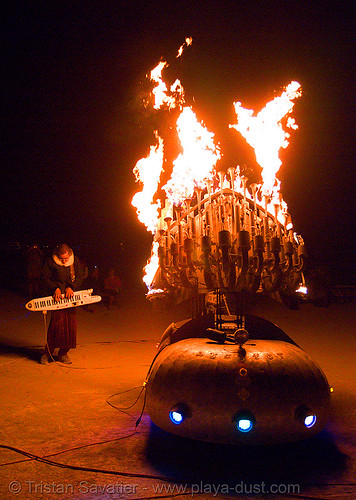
244	425
176	417
309	421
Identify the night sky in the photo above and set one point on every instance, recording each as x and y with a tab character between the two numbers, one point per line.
73	126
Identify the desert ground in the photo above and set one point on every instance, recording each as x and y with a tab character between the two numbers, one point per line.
69	431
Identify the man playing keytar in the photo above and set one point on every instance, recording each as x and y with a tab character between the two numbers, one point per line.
62	275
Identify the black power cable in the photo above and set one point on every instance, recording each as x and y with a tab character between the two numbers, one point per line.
134	475
84	469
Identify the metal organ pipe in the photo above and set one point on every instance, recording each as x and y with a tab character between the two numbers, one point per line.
229	239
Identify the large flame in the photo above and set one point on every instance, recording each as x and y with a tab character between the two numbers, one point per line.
147	172
160	91
151	266
265	132
195	164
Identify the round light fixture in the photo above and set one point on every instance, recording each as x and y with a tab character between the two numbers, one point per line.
309	421
179	413
305	416
244	421
244	425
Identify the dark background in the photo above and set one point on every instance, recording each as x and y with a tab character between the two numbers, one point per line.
73	126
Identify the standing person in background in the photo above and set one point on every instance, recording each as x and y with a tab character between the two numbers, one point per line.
34	262
62	274
92	281
112	285
85	271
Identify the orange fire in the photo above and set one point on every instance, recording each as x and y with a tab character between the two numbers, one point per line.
194	168
148	171
265	132
196	162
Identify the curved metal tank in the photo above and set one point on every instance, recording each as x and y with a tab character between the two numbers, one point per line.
267	391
